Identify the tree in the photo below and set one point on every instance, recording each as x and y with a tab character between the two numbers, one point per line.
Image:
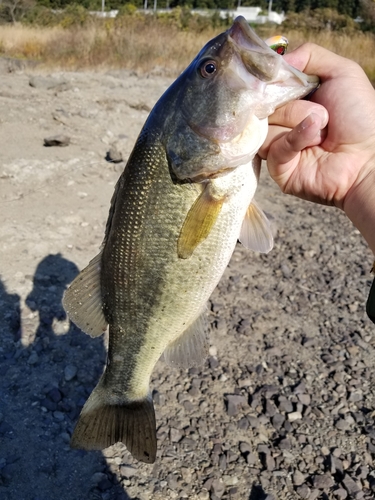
14	10
367	12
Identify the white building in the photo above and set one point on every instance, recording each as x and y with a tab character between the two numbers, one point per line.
252	15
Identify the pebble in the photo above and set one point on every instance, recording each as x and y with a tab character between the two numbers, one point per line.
350	485
295	415
33	359
57	140
113	155
49	83
342	424
323	481
303	491
298	478
285	405
217	488
70	371
341	494
127	471
234	402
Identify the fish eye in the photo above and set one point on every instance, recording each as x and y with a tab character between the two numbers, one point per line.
208	68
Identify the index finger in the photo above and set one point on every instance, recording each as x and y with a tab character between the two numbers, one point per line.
316	60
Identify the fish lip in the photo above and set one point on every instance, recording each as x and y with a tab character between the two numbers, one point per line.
241	27
267	66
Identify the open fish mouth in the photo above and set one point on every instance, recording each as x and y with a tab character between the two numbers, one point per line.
260	60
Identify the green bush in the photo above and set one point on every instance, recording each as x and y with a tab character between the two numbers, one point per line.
41	16
129	9
319	20
75	15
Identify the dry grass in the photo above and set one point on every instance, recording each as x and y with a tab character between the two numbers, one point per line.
358	46
132	44
145	44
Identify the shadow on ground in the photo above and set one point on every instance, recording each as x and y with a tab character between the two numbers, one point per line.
43	385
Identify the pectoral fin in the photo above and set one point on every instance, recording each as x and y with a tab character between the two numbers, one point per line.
256	233
83	300
198	223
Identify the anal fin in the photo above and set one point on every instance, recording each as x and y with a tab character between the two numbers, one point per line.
199	222
190	348
256	232
83	300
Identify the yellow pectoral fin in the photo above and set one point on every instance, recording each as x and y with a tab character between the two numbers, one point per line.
198	223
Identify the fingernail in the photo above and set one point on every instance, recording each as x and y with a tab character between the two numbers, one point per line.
307	122
323	115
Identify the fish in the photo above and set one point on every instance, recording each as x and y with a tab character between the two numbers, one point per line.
183	200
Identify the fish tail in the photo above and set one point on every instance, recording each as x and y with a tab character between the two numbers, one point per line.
102	424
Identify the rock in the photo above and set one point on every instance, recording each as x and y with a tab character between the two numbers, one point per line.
251	459
54	395
127	471
303	491
285	444
298	478
323	481
350	485
33	359
57	140
70	371
243	424
285	405
342	424
97	477
49	83
295	415
233	403
114	156
268	461
175	435
278	420
341	494
58	415
217	488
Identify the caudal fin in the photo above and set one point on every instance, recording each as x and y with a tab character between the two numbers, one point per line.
100	425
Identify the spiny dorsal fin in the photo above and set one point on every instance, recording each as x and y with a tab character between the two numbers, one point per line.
190	348
256	233
199	222
101	424
83	300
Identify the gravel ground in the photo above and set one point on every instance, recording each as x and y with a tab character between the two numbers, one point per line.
284	406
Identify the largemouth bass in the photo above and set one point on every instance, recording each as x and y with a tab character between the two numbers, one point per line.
181	204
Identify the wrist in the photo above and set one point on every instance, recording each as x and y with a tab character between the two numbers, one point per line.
359	204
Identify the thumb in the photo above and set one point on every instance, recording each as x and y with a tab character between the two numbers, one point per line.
286	148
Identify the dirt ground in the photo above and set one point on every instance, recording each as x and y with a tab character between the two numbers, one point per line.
284	406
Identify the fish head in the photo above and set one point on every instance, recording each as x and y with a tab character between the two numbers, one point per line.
224	99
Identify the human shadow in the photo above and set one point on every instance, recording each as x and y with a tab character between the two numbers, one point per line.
51	278
43	386
10	312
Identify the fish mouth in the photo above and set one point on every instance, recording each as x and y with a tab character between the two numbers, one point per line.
261	61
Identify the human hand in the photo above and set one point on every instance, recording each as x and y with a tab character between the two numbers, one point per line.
332	163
